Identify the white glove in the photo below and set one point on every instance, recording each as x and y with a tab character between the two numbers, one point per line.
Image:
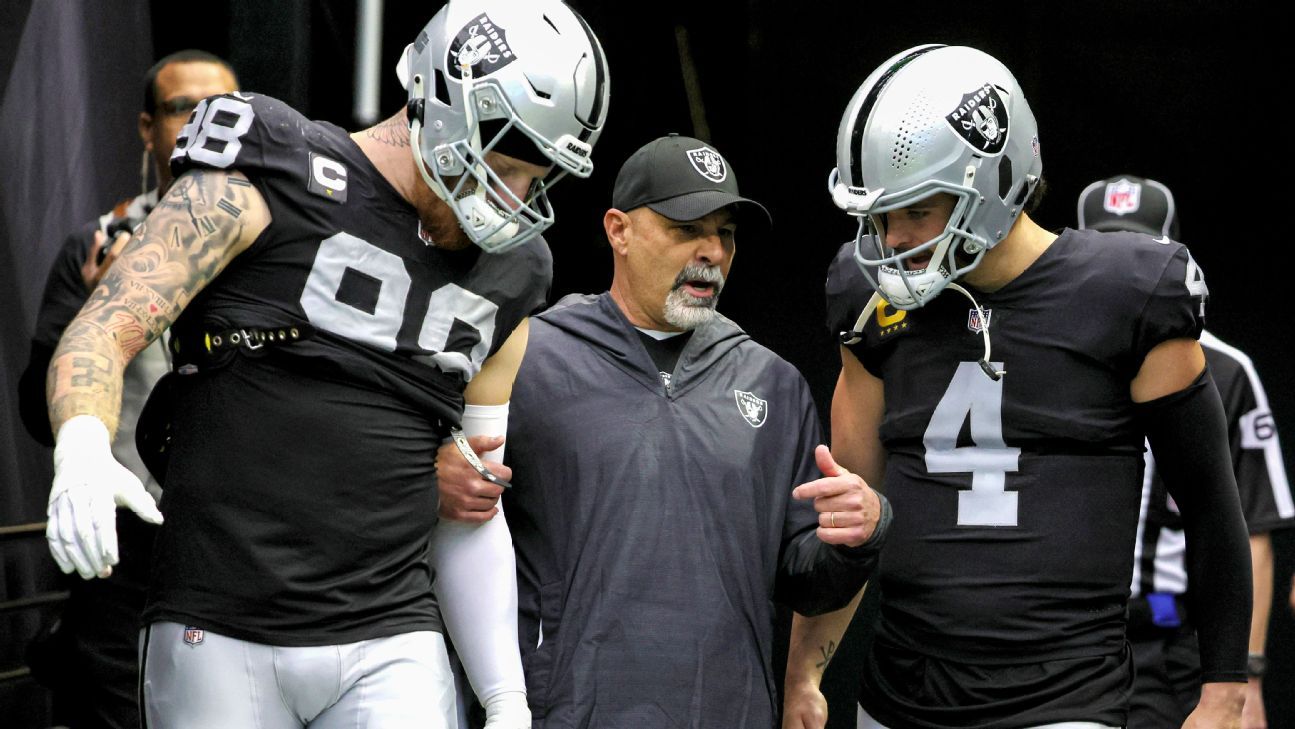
508	710
89	485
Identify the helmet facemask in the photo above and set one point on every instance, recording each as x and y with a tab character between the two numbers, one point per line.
954	251
490	213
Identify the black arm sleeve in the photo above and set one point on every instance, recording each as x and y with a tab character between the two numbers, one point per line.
816	578
1189	438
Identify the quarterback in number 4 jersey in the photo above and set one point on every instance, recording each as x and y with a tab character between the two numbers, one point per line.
997	382
335	299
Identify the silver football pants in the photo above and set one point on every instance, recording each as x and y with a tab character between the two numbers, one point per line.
196	679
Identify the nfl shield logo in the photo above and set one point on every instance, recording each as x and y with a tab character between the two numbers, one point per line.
1122	197
192	635
708	164
975	324
752	408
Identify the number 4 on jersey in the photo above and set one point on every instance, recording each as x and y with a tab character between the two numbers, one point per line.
1195	282
971	393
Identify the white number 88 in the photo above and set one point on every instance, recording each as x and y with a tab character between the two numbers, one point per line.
208	125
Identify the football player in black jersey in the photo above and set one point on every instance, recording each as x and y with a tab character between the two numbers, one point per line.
1161	628
333	300
1005	417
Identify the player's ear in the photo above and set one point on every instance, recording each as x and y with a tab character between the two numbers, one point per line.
146	130
617	224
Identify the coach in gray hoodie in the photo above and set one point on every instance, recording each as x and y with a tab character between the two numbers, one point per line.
654	449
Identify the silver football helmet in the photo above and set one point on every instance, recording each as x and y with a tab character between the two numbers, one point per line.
934	119
526	78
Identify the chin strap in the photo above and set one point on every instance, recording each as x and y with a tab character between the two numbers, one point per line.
855	335
984	330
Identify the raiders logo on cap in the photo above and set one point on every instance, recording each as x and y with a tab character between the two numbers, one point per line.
708	164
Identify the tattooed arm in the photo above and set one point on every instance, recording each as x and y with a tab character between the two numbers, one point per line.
205	220
858	404
813	643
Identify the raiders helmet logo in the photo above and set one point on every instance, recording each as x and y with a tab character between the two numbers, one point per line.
481	46
753	409
708	164
981	120
1122	197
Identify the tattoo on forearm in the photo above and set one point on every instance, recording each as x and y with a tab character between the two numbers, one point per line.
827	652
187	240
392	131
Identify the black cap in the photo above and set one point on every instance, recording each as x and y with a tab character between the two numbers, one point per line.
1128	202
681	178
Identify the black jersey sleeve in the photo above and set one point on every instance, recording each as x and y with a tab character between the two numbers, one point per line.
1175	306
848	293
227	131
534	296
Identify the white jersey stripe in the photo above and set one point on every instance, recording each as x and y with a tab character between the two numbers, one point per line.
1270	446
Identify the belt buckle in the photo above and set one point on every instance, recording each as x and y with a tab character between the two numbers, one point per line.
247	341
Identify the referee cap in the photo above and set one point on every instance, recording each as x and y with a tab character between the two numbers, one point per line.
681	178
1129	202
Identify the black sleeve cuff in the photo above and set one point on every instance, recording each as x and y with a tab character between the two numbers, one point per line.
873	545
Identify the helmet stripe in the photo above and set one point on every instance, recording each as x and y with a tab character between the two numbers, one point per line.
600	78
861	117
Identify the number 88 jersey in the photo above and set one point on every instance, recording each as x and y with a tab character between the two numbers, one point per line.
1016	501
344	254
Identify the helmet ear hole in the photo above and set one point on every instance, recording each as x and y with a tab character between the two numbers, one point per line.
441	91
1004	177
